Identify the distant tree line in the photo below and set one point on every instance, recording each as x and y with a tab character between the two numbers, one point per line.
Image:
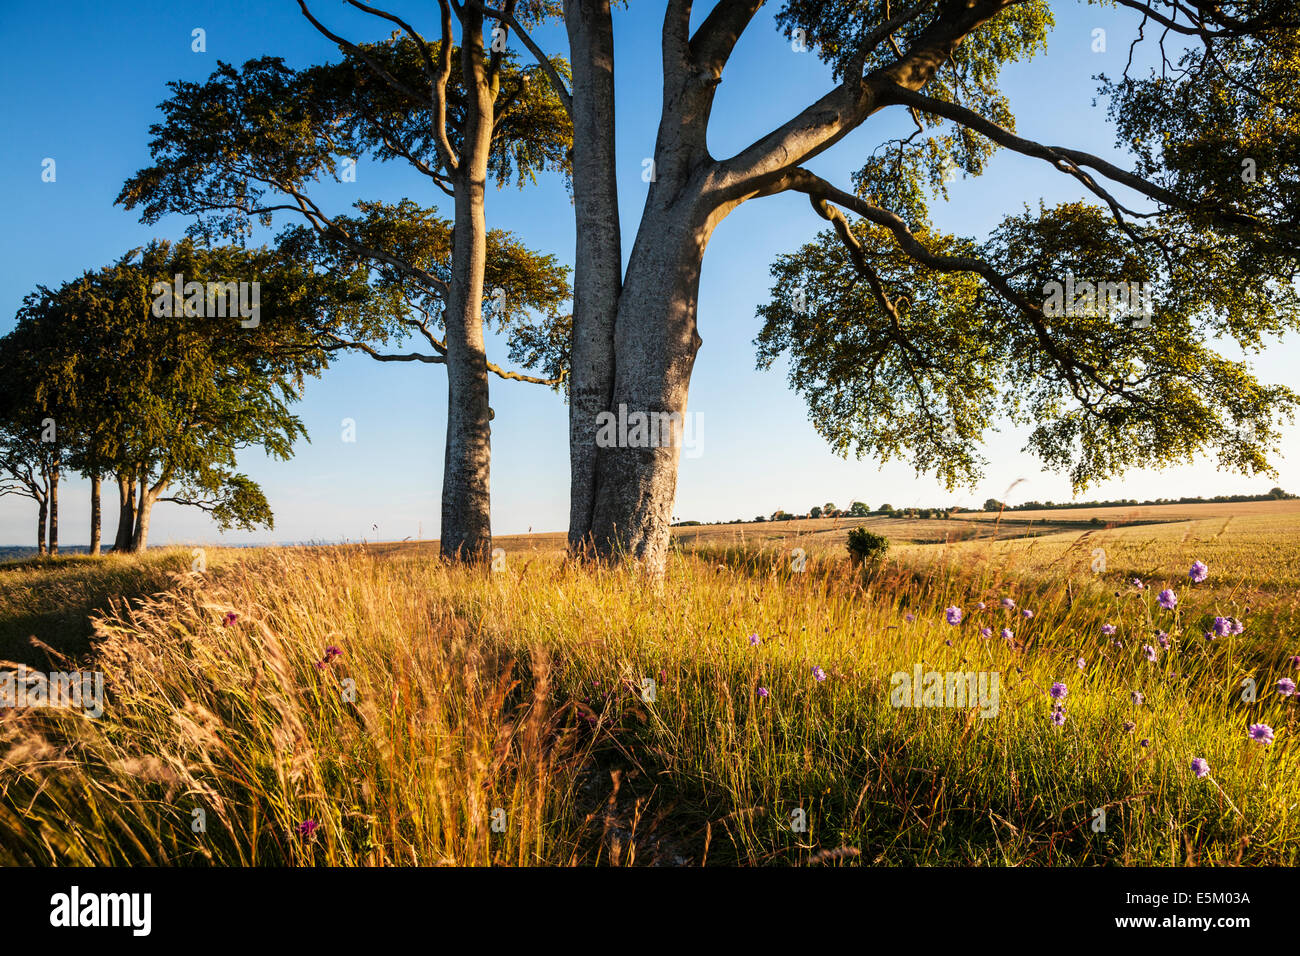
861	510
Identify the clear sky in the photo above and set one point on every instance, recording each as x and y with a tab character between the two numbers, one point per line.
81	85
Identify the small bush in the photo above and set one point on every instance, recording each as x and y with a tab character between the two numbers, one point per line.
866	545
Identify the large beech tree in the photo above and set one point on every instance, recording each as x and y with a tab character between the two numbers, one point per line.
254	141
1208	197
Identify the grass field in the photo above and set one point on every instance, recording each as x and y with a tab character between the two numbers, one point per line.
738	711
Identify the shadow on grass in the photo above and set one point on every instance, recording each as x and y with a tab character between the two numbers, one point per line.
50	601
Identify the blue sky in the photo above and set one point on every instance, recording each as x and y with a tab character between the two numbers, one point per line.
81	85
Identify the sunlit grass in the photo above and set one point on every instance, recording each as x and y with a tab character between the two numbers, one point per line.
505	718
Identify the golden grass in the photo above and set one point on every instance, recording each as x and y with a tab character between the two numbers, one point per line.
525	692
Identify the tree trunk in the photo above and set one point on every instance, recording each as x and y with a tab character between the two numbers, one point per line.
54	512
125	514
144	509
655	345
41	513
95	515
598	259
466	491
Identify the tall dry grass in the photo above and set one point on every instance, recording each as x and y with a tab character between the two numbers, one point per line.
613	719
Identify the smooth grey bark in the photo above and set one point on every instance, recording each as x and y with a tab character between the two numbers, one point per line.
143	512
598	265
41	512
656	341
54	511
95	512
466	484
655	335
125	514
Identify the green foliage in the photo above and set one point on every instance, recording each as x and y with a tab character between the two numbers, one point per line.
915	343
525	292
231	150
866	545
1098	395
170	401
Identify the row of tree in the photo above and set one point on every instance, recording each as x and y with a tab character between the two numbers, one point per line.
904	340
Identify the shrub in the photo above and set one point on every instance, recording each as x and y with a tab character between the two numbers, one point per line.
866	545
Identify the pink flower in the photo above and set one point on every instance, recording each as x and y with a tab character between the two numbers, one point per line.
230	618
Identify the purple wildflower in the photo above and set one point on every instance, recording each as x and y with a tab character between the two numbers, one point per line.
818	673
1286	687
754	640
307	828
1222	626
1082	663
1261	733
1200	766
986	632
762	692
230	618
1168	599
1150	652
1009	604
1058	691
1058	717
953	614
1007	634
1163	638
1108	629
1199	572
1137	583
1027	613
909	617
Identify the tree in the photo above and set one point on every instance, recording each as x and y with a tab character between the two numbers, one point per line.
208	347
992	504
249	142
36	415
815	511
635	335
859	509
26	468
829	507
